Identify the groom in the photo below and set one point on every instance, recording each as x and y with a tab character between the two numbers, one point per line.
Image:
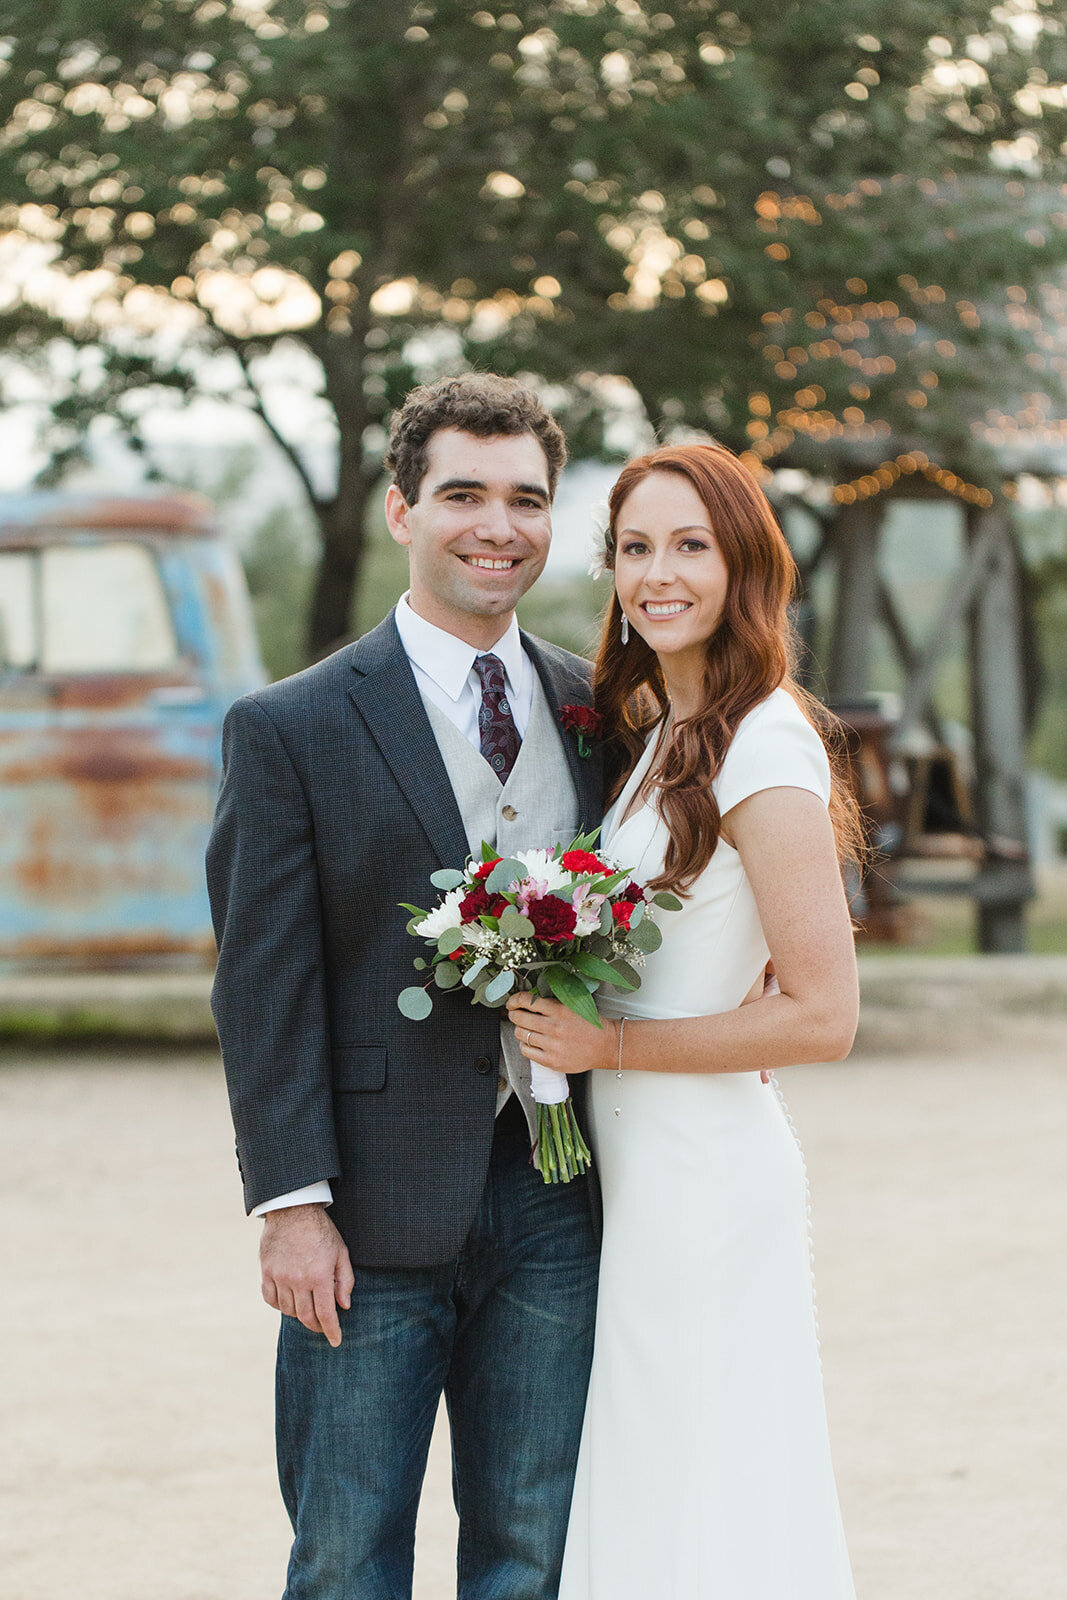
410	1245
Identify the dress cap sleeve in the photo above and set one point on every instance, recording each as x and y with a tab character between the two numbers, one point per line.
775	747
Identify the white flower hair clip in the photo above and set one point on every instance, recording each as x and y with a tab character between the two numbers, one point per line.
601	518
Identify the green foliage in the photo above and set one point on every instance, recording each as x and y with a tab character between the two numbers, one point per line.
780	224
279	576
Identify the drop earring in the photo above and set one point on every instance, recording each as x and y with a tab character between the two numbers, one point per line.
624	631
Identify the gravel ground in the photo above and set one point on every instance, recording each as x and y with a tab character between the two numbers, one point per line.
135	1428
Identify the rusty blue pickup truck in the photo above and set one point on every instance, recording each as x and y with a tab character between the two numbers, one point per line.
125	633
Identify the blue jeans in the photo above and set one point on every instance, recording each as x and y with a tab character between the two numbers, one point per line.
505	1331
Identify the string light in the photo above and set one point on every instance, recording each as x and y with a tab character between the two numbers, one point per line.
890	472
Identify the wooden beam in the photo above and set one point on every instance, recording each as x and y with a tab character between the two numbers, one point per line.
957	603
856	538
1004	883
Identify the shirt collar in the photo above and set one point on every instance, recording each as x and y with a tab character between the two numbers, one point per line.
449	661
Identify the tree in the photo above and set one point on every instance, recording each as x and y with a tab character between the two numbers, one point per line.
714	204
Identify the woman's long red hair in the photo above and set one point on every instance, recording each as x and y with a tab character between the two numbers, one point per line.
750	654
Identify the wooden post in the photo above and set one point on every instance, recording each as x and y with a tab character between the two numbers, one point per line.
1004	883
856	541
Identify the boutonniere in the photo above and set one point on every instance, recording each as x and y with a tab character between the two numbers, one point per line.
585	722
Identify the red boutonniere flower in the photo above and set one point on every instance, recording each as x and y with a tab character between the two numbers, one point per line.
585	722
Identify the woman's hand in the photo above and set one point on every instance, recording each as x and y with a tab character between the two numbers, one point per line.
550	1034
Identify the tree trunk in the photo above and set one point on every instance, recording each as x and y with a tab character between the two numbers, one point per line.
342	522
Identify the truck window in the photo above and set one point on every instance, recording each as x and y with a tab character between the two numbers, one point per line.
18	625
77	608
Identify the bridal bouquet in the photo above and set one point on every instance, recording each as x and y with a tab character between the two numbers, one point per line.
560	922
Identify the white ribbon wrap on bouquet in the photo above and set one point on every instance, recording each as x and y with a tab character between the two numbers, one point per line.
550	1088
534	1085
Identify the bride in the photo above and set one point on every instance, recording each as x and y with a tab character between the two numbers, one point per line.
704	1471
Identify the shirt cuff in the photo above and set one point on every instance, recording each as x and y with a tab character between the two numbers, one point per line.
310	1195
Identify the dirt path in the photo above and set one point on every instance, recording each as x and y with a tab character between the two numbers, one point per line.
135	1430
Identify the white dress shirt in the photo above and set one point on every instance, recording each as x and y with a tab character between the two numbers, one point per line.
444	672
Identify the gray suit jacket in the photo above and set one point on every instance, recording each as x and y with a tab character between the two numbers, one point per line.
334	806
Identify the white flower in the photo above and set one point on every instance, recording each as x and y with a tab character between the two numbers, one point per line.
446	915
601	520
549	875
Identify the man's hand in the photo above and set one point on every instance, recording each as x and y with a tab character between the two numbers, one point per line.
306	1268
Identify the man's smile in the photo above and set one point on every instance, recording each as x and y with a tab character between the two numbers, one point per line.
492	563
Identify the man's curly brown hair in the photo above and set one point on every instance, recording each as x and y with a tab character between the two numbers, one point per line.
478	402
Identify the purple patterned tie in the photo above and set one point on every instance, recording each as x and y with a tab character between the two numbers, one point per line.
498	735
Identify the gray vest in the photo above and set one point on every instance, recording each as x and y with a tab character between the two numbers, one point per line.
536	807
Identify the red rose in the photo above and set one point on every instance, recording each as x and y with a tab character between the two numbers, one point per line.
553	918
581	719
479	903
582	861
585	722
486	868
622	911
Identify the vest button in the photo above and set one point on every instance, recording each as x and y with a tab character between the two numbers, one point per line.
508	813
483	1065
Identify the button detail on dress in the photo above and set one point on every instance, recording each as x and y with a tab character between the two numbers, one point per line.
508	813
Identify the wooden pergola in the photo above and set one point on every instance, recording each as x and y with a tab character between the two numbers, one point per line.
987	597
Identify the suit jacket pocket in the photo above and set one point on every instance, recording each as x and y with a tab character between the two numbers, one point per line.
359	1068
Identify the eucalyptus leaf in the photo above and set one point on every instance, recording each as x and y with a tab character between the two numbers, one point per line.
607	921
450	941
637	916
447	975
646	936
599	946
624	976
446	878
667	901
503	874
472	974
419	964
415	1003
513	925
500	987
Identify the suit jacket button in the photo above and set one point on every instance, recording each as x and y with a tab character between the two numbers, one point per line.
508	813
483	1065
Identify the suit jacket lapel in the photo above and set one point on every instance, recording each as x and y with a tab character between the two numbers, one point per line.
389	702
563	686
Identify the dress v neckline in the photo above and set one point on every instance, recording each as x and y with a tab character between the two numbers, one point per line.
633	784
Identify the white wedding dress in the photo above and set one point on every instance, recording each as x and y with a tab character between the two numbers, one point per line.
704	1471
